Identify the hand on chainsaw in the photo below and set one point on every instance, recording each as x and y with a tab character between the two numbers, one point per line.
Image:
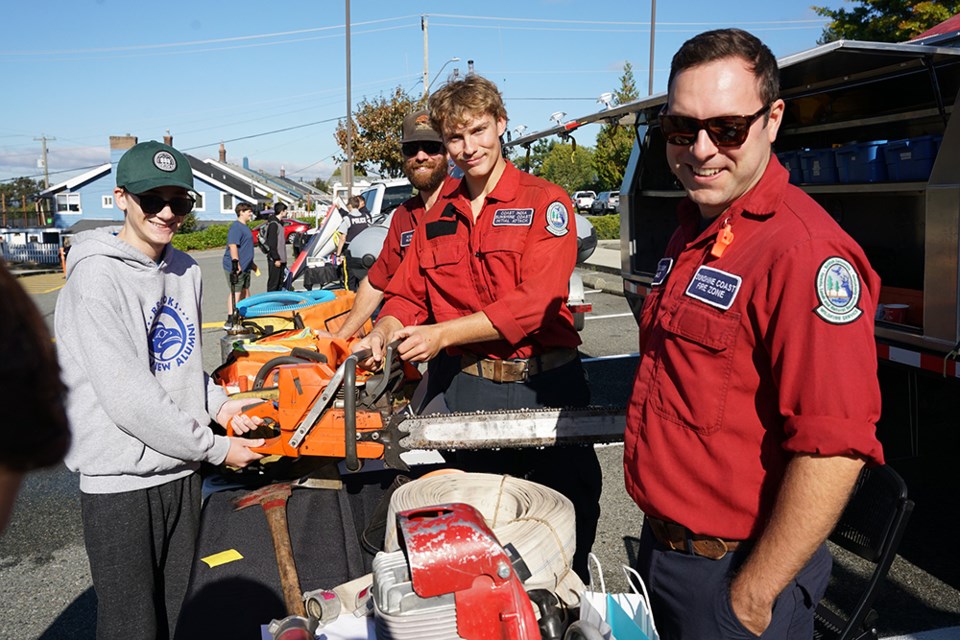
231	417
420	343
376	342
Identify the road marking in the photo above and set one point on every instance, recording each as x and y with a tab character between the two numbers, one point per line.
592	291
618	356
612	315
42	283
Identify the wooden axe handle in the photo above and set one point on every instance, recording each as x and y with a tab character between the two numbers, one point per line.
289	581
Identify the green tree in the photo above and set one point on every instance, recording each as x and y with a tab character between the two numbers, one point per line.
570	168
885	20
20	191
320	183
539	150
376	132
615	141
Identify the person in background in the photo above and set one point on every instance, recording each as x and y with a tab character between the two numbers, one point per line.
238	256
756	396
38	435
128	330
276	247
425	165
486	280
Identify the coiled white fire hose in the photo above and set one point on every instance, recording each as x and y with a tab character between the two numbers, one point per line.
538	521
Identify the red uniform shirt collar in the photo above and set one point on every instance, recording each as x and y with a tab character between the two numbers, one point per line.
506	189
761	201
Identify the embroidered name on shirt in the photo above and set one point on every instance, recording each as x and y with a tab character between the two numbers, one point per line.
663	270
716	288
513	217
406	238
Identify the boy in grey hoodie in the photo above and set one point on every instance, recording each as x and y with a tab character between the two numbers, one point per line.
139	404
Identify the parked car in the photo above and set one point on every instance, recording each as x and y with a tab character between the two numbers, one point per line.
606	202
290	227
583	200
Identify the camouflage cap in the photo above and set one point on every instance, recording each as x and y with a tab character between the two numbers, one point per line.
417	127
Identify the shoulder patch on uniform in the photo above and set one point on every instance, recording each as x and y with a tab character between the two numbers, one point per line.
406	237
715	287
558	220
513	217
838	289
663	270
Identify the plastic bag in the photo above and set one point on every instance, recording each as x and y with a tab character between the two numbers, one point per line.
618	616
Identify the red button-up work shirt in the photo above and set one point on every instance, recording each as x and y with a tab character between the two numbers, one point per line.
513	263
399	237
749	358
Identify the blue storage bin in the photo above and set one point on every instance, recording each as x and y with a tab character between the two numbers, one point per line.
862	162
791	162
911	159
819	166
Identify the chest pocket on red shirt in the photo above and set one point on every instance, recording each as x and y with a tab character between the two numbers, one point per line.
695	364
443	255
500	252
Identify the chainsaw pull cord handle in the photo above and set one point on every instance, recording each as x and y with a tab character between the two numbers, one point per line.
350	413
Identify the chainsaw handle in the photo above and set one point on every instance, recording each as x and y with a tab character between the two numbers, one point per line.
350	413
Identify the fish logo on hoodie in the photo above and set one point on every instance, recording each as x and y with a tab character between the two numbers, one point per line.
172	336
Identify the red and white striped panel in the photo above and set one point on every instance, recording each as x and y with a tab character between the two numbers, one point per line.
925	361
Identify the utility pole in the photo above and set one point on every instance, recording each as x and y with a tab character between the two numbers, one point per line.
426	73
46	170
348	170
653	29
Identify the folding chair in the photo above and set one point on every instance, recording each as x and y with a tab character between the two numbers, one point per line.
871	527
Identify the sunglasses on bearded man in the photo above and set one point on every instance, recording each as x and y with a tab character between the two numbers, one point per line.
430	147
723	131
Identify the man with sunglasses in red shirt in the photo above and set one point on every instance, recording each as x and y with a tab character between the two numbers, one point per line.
756	397
425	165
128	332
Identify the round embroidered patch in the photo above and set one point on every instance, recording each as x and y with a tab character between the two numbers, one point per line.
165	161
557	219
838	289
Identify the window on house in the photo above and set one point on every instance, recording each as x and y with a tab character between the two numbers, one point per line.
226	203
68	203
107	202
198	206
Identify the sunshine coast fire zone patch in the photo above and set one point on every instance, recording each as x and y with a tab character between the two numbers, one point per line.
838	289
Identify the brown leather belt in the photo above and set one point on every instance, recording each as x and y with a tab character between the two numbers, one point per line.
516	370
678	538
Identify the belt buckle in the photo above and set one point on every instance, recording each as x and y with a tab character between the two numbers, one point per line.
715	549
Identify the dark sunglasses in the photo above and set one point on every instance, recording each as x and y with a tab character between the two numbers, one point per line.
724	131
153	204
430	147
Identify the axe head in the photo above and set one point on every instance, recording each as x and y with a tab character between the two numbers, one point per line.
270	496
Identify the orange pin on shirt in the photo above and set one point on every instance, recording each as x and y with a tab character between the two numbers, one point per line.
724	239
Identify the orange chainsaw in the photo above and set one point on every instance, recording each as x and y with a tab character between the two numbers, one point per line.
349	413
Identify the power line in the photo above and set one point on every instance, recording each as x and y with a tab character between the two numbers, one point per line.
192	43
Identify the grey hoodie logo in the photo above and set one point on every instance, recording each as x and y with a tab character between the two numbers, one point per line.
172	337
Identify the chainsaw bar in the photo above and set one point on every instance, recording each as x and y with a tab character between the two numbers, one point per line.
514	428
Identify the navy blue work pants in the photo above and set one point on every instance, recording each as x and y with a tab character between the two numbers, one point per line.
690	595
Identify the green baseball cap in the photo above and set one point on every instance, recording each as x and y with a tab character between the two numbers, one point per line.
149	165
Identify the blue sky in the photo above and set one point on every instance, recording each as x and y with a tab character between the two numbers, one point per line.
268	78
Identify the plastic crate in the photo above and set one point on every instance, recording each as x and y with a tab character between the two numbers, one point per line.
791	162
862	162
819	166
911	159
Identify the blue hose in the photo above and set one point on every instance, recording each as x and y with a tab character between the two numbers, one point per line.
273	302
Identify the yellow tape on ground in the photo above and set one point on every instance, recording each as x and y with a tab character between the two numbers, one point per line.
223	557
